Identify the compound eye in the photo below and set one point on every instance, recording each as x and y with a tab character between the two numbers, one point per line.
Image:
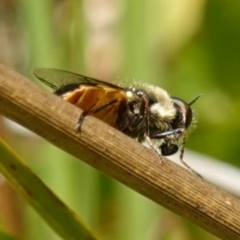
184	109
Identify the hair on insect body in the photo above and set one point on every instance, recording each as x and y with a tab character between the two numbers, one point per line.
141	111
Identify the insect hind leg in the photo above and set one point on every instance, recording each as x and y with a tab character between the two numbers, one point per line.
80	121
92	111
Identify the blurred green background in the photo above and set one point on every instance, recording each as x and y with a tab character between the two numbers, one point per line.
187	47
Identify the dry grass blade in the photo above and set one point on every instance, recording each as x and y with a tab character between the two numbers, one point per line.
119	156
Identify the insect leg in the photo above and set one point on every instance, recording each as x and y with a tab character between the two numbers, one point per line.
164	134
172	148
183	162
144	111
149	142
94	110
80	120
167	148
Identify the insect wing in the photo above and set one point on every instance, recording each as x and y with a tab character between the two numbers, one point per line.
56	78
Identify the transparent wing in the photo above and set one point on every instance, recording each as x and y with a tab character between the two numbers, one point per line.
56	78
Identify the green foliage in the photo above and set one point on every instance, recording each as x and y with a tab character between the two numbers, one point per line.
25	182
4	236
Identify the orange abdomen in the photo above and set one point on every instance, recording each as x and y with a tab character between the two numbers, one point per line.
91	98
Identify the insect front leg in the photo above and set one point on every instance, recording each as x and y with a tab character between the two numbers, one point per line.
168	148
183	162
161	135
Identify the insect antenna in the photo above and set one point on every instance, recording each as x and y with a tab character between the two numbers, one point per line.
194	100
